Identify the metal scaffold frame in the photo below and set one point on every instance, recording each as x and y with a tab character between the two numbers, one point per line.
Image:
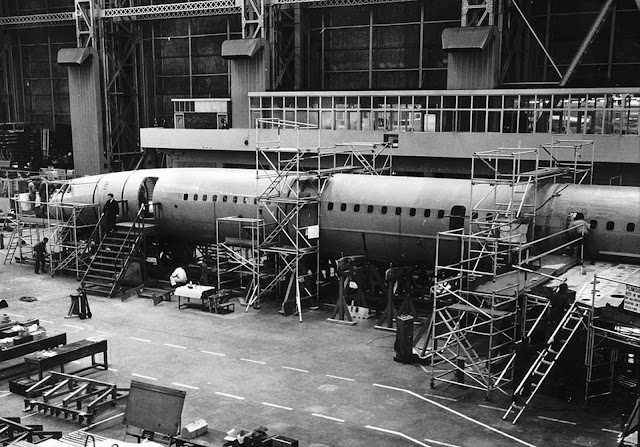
295	178
502	211
66	225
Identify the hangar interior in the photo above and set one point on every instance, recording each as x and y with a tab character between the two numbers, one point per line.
500	93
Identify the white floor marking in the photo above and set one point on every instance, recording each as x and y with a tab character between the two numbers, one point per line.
112	369
229	395
296	369
557	420
327	417
253	361
29	415
397	433
432	402
75	327
5	394
143	377
96	423
341	378
140	339
45	321
442	397
214	353
175	346
277	406
16	315
441	443
492	408
185	386
611	431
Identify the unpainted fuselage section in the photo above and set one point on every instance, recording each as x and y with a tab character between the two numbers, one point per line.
395	219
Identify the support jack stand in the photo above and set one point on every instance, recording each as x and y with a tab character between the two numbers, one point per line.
79	306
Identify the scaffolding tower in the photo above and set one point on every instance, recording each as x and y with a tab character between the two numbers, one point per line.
290	205
481	307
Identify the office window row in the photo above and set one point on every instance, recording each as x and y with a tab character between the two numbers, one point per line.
579	113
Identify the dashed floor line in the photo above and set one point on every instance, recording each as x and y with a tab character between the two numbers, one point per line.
340	378
608	430
253	361
214	353
277	406
143	377
295	369
183	385
174	346
492	408
140	339
435	396
232	396
74	326
323	416
557	420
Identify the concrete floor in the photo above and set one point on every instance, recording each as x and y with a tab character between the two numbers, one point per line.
315	381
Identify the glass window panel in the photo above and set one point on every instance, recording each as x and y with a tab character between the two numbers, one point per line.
432	121
354	122
510	122
352	102
479	102
365	102
290	102
302	116
435	102
366	120
341	123
254	102
478	121
448	102
314	102
525	124
416	124
544	102
290	115
383	121
301	102
326	102
266	102
327	120
406	102
278	102
464	121
495	102
494	123
339	102
541	124
378	101
448	121
419	102
313	118
464	102
527	102
511	102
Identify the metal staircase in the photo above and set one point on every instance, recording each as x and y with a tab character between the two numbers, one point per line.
575	317
114	255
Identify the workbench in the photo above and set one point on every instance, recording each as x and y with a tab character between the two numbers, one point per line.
44	360
210	299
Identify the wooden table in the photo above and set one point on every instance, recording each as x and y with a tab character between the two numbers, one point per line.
205	294
45	360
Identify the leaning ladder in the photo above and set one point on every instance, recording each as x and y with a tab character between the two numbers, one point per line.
572	320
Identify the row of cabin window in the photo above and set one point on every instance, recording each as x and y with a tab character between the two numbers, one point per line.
427	213
631	227
385	209
214	198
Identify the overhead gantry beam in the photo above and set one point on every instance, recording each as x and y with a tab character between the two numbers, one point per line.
588	40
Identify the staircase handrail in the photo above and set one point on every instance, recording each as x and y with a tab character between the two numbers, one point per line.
128	235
